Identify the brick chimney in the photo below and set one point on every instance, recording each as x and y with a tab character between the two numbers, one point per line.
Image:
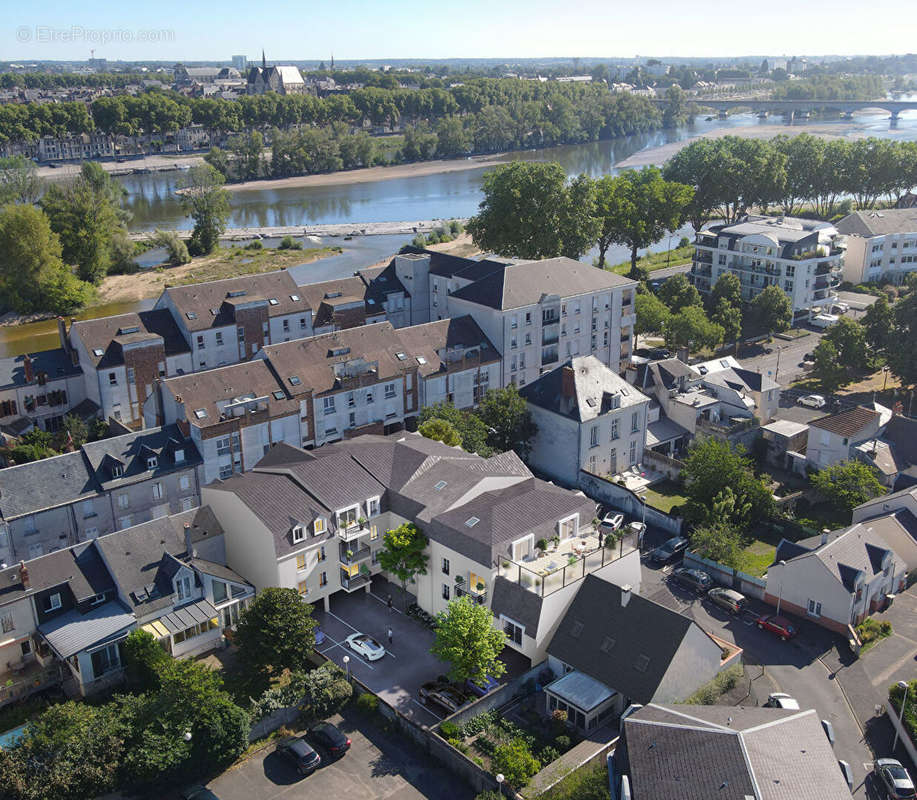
24	576
568	381
62	334
189	547
28	368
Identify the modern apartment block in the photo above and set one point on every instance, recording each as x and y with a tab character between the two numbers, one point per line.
802	257
880	243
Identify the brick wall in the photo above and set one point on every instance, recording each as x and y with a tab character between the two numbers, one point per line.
252	321
145	361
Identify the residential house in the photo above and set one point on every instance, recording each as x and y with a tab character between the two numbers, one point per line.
727	752
786	444
729	380
902	500
38	389
802	257
588	418
833	438
881	245
838	580
613	648
104	486
316	520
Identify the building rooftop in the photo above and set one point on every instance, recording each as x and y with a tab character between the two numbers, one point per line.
54	364
580	690
879	223
447	345
848	424
105	337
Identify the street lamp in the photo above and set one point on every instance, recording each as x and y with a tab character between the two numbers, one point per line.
347	666
780	563
187	736
901	685
500	779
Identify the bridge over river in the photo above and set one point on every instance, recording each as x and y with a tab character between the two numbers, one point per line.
801	107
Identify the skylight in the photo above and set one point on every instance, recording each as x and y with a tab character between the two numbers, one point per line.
471	522
200	413
440	485
590	401
577	628
191	314
400	356
98	352
642	662
421	360
294	298
273	301
607	644
294	380
278	394
724	363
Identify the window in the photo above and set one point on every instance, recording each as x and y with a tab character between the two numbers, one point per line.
179	457
614	429
348	517
98	599
240	333
512	343
157	491
528	317
633	451
6	623
302	323
303	588
301	562
389	391
124	522
471	522
219	338
151	462
372	506
369	396
123	501
225	471
321	553
351	400
318	526
445	566
299	533
52	602
219	591
105	660
201	343
513	631
187	503
130	375
112	379
183	587
117	470
323	579
328	405
514	322
286	326
594	436
184	482
635	422
814	608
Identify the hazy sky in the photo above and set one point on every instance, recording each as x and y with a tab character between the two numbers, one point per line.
170	30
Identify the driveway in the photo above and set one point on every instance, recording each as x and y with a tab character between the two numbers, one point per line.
378	766
407	663
800	667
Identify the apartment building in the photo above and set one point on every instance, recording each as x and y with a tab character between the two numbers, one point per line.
540	312
800	256
104	486
38	390
881	245
315	521
588	418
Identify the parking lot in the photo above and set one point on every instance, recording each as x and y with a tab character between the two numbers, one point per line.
407	663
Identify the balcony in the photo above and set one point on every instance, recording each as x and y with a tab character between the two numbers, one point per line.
824	267
550	336
353	554
703	257
477	592
704	270
549	355
352	583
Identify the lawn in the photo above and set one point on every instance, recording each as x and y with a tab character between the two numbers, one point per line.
665	495
757	557
653	261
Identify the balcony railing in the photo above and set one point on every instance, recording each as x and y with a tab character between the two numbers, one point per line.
351	584
30	678
350	532
549	336
353	554
477	597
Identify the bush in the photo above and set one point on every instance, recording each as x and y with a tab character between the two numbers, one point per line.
144	659
368	702
289	243
547	755
562	743
478	724
175	247
490	794
254	245
708	694
516	762
871	630
449	730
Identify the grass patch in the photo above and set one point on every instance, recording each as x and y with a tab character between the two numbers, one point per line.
757	557
665	495
792	333
653	261
709	693
230	262
871	632
588	783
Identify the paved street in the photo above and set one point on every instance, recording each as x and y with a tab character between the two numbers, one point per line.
378	766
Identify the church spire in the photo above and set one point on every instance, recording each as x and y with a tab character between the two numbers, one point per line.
263	61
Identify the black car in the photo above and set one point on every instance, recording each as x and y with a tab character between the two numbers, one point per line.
198	792
300	754
330	738
669	551
694	579
658	353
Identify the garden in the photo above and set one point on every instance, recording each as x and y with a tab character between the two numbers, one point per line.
872	631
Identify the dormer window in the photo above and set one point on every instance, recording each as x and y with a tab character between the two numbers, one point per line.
183	587
319	526
299	533
179	456
152	462
117	470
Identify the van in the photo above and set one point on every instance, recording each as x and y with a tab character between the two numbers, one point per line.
731	600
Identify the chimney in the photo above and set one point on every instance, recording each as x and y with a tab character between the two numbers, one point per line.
189	547
24	576
568	381
28	368
625	594
62	334
824	535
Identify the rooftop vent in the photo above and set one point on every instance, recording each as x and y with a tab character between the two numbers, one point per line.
126	331
191	314
236	293
642	663
577	628
440	485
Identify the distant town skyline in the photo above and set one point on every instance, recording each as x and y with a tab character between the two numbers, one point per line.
409	29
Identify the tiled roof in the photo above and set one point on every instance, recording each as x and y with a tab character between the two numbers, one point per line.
104	337
448	345
879	223
55	364
847	423
79	566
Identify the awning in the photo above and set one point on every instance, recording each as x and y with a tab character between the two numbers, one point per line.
188	616
73	632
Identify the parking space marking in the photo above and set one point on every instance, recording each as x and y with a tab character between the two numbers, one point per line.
347	650
425	708
332	614
384	602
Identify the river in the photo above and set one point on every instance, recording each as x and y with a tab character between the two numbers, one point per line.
152	201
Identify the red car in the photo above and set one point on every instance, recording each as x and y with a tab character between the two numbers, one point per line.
780	626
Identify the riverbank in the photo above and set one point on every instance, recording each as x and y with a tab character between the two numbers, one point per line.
656	156
151	163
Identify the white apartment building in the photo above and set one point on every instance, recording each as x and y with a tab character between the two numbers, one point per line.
880	243
802	257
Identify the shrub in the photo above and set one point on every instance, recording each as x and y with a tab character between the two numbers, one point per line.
368	702
516	762
871	630
478	724
449	730
542	544
708	694
490	794
254	245
547	755
175	247
144	659
289	243
562	742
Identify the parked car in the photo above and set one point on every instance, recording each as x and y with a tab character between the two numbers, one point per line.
330	738
812	401
780	626
694	579
198	792
300	754
840	308
611	522
670	550
658	353
847	773
782	700
443	694
894	778
366	646
484	687
733	601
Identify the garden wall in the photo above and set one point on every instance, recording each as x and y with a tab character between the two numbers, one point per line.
742	582
597	745
623	499
273	721
498	697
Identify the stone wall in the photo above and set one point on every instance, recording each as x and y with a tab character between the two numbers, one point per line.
623	499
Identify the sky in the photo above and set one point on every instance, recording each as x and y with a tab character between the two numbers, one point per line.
169	30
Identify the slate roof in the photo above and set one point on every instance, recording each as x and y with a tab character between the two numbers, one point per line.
73	632
445	265
594	385
448	345
879	223
103	337
849	424
352	289
670	370
79	567
518	603
901	434
640	639
525	283
56	364
729	753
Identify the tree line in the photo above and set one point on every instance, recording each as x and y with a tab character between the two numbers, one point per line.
73	80
831	87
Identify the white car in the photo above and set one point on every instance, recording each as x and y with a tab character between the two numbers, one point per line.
812	401
611	522
782	700
823	320
366	646
840	308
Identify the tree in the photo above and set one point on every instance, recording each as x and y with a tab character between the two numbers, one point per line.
403	555
526	212
902	358
441	431
678	293
718	541
276	632
327	689
690	328
32	275
74	432
637	208
19	181
847	484
849	340
508	419
878	323
175	247
144	660
728	288
652	314
676	109
771	310
516	762
207	202
729	318
469	426
466	639
804	156
828	370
